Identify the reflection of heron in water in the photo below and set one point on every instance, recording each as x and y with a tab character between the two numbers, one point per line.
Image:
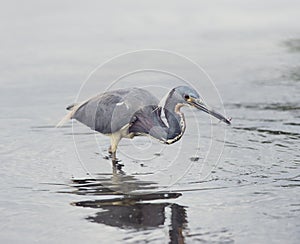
131	112
140	216
137	210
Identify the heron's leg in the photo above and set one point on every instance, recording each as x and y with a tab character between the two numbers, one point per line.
109	151
114	157
115	161
115	139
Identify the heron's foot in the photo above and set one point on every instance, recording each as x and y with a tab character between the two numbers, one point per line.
115	160
116	164
110	156
120	166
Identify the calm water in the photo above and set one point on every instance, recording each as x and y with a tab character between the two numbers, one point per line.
52	193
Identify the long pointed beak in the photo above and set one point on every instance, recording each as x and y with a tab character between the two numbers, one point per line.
201	106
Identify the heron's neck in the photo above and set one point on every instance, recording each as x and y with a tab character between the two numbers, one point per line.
175	120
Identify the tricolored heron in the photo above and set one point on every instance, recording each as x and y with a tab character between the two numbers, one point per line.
126	113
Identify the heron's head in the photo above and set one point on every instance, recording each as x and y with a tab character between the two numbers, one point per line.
186	95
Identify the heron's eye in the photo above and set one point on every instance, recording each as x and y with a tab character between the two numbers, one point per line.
186	97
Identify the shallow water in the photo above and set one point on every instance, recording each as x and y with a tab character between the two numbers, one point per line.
56	191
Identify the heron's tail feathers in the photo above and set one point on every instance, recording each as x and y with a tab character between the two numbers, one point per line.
73	108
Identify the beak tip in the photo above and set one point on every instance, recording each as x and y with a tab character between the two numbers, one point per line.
228	121
213	113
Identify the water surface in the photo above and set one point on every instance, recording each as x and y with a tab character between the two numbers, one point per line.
252	194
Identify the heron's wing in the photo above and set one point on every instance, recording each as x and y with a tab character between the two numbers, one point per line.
111	111
148	122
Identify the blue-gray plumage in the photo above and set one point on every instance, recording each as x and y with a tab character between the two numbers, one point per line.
126	113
